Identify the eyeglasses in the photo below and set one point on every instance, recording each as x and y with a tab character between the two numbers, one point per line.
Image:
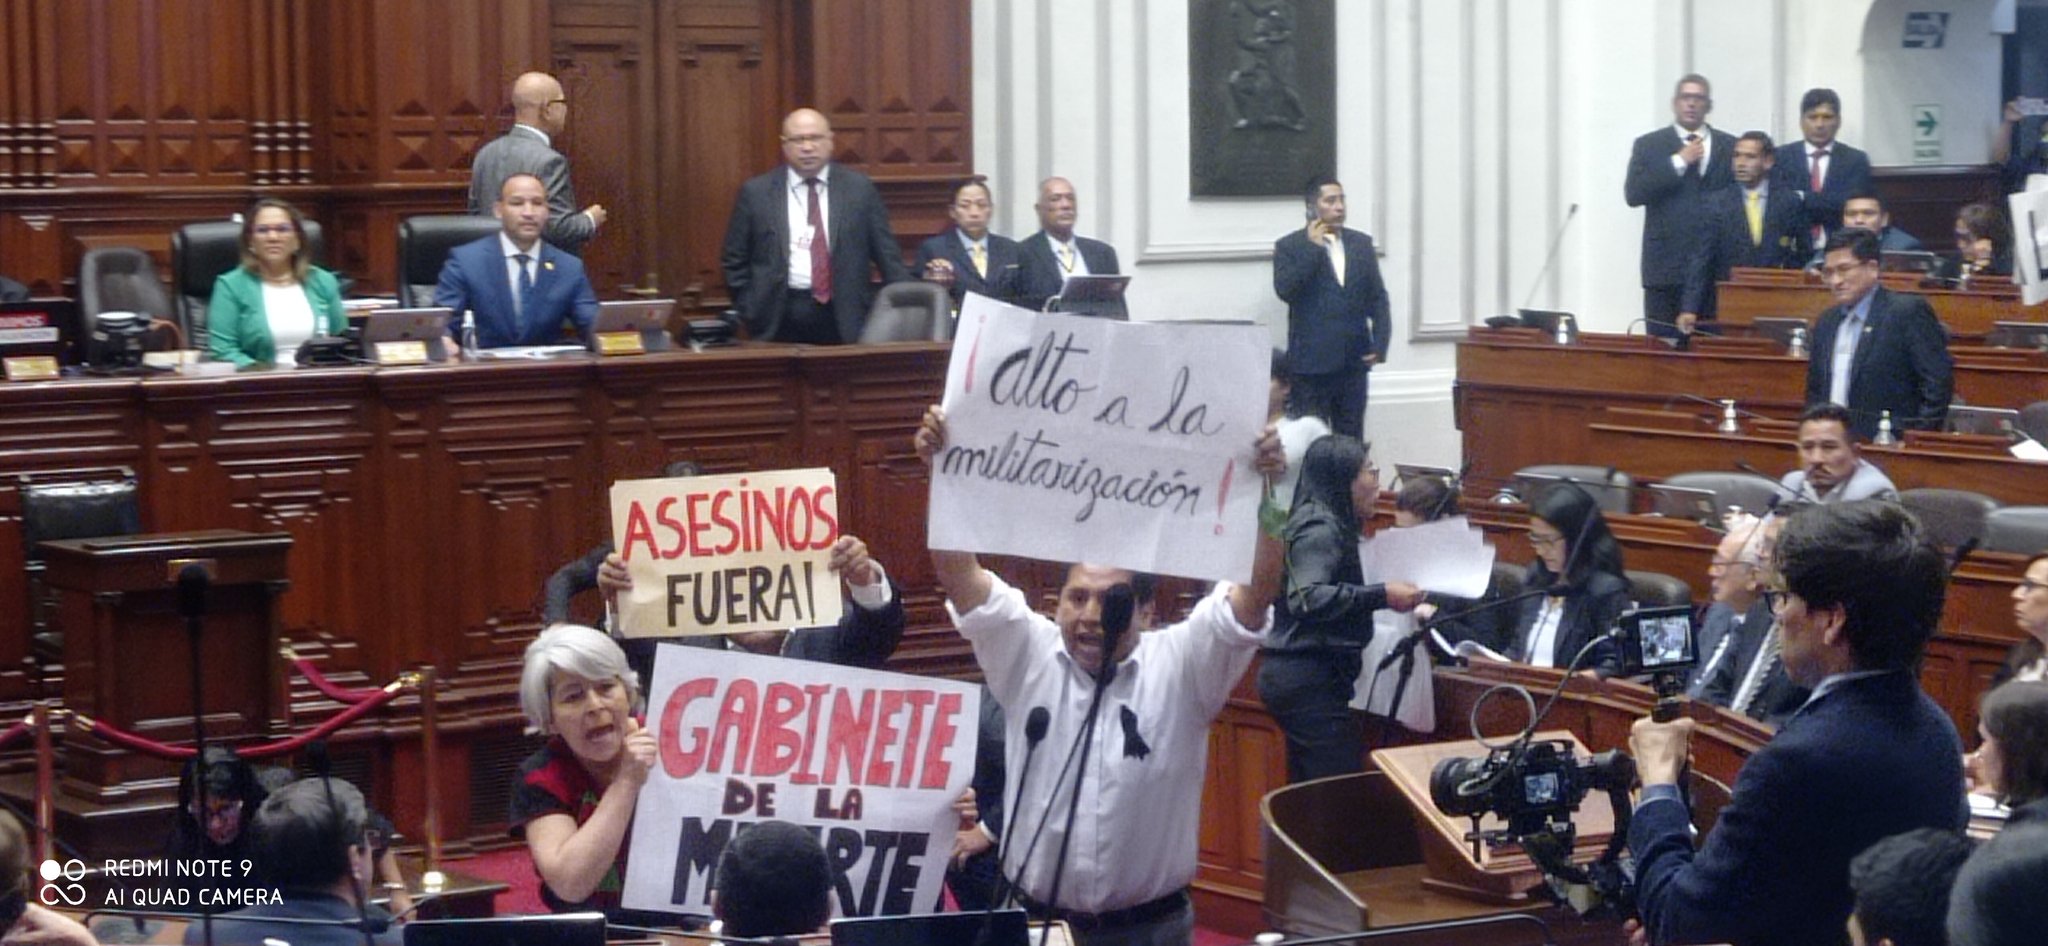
1371	470
272	229
1776	599
805	139
554	102
1729	563
2029	586
1545	540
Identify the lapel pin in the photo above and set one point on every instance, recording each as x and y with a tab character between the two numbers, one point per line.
549	266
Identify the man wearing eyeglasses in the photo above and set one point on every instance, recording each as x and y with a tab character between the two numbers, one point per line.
1857	591
804	240
313	842
1671	174
540	112
1875	350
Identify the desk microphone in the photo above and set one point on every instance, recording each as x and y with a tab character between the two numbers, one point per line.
1035	726
1550	260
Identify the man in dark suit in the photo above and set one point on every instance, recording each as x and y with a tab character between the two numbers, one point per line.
1752	224
803	241
968	258
1736	586
1876	350
1857	589
1670	173
1054	252
521	288
541	113
1338	325
1824	172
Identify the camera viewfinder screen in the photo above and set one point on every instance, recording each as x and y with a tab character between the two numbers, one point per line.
1539	789
1667	640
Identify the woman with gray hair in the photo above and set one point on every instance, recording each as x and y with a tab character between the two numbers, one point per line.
573	801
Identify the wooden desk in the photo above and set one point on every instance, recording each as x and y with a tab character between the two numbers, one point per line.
427	505
1965	313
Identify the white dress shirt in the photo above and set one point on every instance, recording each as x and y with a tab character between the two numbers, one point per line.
512	265
1135	837
290	313
800	223
1848	335
1074	264
1706	147
1543	637
1335	243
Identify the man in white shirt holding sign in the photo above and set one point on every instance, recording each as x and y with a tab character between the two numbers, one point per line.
1133	849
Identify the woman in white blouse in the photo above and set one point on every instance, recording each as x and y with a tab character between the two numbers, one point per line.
276	299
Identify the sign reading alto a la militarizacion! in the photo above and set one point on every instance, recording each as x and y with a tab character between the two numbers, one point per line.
1129	444
723	554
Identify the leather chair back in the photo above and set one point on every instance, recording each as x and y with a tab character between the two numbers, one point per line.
1610	488
52	511
2022	530
1951	516
200	253
909	312
120	279
1753	493
1657	590
423	245
2034	420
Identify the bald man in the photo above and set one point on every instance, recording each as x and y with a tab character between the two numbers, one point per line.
805	240
1054	252
541	112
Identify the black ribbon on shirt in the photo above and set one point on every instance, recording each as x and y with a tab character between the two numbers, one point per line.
1134	744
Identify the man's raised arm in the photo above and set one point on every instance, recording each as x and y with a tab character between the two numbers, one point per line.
960	574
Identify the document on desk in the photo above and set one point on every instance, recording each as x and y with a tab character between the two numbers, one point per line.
1448	556
530	352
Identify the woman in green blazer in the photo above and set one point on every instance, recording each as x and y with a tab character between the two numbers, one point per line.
276	298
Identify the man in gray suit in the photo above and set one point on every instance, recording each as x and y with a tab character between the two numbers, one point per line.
540	112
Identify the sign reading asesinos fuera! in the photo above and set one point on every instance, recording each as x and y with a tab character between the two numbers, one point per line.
723	554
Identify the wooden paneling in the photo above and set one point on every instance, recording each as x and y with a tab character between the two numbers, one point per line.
605	55
1923	200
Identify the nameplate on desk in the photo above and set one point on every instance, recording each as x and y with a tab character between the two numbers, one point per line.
412	352
621	343
31	368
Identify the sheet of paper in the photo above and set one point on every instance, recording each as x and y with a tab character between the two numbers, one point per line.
1447	556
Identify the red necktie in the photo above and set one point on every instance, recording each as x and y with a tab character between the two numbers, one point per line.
821	255
1813	168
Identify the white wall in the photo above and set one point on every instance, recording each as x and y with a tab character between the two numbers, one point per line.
1467	130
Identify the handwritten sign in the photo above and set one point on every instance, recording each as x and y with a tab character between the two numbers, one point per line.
870	762
723	554
1081	439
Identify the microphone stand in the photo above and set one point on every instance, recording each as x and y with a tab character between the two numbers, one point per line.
1035	725
1117	607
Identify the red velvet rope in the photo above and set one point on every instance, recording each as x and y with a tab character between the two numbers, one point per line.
13	732
328	687
130	741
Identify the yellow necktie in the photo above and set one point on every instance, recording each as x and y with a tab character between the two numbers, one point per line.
1756	219
980	258
1066	258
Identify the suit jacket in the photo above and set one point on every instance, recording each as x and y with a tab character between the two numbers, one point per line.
1902	364
1041	275
1848	176
474	278
1778	697
1005	266
521	151
756	251
1326	604
1674	213
1997	896
1717	626
1727	244
1870	758
1330	327
1587	614
237	328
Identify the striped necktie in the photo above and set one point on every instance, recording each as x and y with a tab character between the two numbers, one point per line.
1753	683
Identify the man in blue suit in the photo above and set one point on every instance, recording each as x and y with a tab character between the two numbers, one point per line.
521	288
1857	589
1750	224
1824	171
1338	324
1671	173
968	258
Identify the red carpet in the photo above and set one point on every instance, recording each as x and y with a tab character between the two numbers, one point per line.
515	867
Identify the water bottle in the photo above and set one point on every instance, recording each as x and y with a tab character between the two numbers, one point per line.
1798	346
468	335
1884	430
1729	425
1564	329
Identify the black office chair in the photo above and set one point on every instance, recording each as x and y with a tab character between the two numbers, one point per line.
2034	420
1950	516
67	504
909	312
1609	487
120	279
200	253
423	245
1657	590
2022	530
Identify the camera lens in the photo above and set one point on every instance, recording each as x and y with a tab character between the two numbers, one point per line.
1449	777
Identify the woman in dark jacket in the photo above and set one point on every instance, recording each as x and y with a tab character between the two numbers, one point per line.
1323	622
1579	561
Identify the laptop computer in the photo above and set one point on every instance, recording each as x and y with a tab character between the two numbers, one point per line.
1002	928
1089	294
1683	502
2019	335
648	317
1908	261
565	929
1984	421
1779	329
1405	472
408	325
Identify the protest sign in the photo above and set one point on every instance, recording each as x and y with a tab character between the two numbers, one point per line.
1083	439
870	762
721	554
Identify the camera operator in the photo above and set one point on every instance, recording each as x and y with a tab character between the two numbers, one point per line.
1857	588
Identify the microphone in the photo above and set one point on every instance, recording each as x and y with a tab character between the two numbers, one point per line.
1035	726
1119	603
193	581
1556	241
1784	492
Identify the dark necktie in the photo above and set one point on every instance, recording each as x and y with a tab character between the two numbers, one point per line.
525	299
1694	169
821	254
